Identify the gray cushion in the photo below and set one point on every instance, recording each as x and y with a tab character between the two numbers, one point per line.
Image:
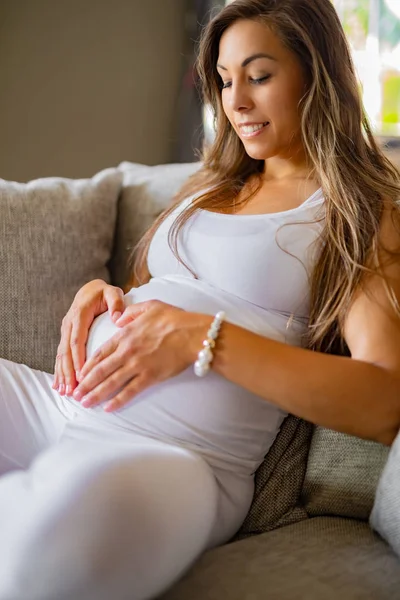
56	234
385	516
147	191
323	558
342	474
279	480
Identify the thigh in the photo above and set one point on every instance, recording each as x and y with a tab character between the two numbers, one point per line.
104	521
236	493
32	414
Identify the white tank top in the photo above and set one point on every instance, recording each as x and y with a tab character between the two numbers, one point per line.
242	270
265	260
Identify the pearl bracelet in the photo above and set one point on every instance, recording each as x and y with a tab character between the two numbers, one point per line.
205	356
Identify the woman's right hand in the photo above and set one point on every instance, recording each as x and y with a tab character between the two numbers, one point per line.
93	299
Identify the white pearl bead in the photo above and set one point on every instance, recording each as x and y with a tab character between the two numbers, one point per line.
200	370
206	354
203	361
209	343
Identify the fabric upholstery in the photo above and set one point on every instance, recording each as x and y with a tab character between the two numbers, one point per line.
385	515
279	480
342	474
323	558
146	192
55	235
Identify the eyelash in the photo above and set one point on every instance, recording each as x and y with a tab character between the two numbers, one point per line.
255	81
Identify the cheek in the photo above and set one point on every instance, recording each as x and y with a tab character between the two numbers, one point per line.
228	112
284	115
280	102
282	99
225	106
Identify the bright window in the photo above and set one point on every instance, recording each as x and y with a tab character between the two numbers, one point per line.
373	30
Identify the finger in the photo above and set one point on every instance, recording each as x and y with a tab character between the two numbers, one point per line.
128	393
78	340
66	364
98	373
68	370
108	387
57	365
135	310
100	355
114	299
56	373
60	374
59	383
130	314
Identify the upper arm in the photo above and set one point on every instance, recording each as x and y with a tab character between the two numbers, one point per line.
372	325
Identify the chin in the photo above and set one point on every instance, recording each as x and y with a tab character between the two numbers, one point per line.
258	153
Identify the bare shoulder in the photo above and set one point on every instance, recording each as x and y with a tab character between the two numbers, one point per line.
372	326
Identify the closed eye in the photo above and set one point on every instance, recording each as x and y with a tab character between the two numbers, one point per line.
258	81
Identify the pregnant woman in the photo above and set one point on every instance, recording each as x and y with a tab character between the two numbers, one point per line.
270	286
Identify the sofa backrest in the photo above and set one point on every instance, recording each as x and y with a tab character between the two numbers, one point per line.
46	261
342	474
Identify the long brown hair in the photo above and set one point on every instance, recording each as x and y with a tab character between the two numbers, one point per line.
356	177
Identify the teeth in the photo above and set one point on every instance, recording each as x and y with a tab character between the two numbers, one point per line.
252	128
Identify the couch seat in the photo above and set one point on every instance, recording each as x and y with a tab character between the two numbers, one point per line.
322	558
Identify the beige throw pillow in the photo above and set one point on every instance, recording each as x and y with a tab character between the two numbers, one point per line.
56	234
146	192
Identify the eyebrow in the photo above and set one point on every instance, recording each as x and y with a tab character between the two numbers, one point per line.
250	59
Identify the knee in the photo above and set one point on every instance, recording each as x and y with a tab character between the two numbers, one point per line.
108	522
155	497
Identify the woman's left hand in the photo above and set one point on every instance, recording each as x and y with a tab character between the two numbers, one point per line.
156	341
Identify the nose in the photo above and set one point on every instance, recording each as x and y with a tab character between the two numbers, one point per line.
240	99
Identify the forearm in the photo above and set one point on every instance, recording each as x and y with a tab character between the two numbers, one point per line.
340	393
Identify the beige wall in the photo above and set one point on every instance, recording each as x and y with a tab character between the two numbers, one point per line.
88	83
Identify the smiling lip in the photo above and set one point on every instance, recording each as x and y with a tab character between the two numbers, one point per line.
250	130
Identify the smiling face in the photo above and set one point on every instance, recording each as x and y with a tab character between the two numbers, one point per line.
263	83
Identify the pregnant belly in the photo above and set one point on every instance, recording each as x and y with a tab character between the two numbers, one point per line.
230	426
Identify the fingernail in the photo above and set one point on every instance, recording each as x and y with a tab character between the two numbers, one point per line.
116	316
77	395
108	406
86	402
68	390
77	375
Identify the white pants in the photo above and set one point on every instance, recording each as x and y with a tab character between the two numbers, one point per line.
85	515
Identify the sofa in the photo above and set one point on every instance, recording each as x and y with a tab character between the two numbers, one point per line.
307	535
